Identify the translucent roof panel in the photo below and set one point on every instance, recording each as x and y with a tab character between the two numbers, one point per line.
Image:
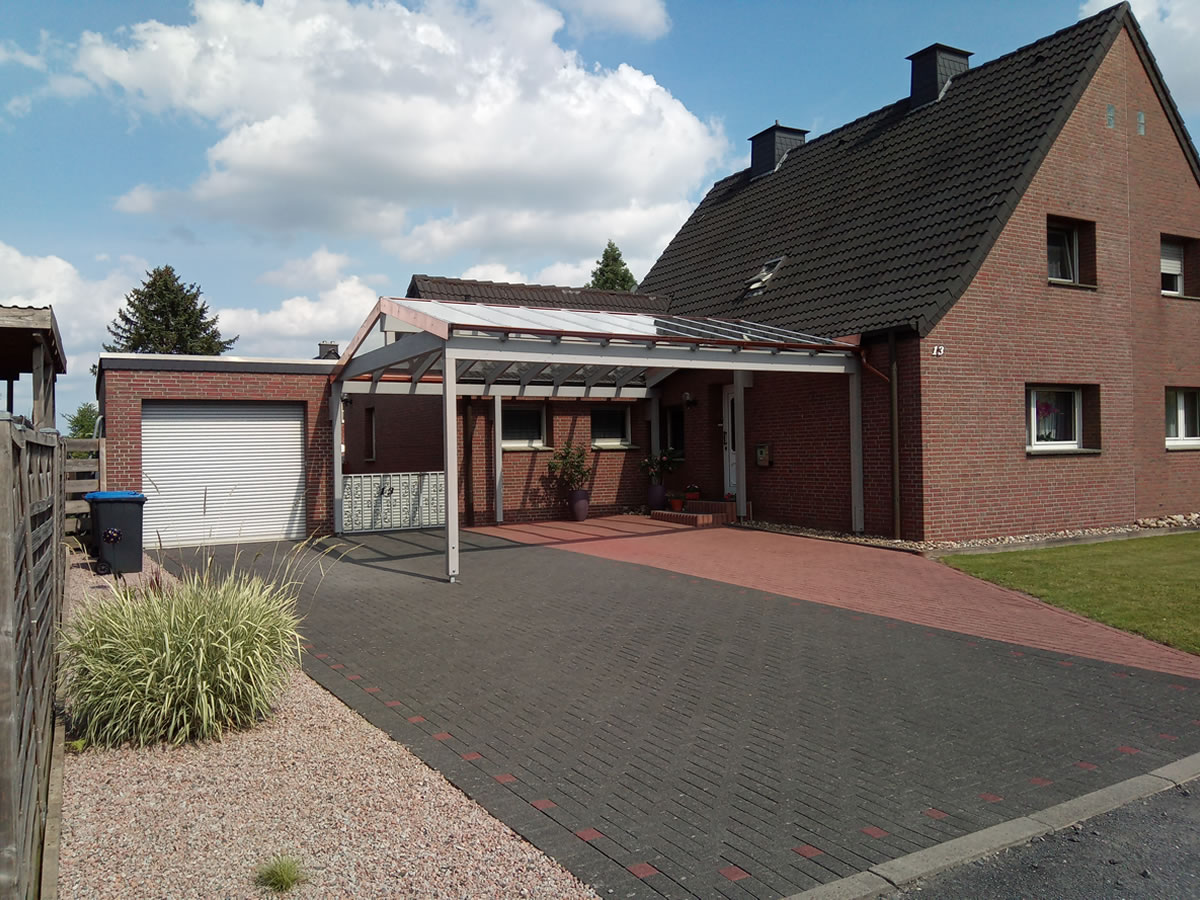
480	317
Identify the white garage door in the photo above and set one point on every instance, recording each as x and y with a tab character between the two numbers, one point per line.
222	472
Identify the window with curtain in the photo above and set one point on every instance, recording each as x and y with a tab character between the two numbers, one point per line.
1183	417
1171	266
1054	418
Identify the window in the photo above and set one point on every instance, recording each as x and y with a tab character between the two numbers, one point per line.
1183	417
675	429
1071	251
1171	266
523	426
756	284
369	434
1054	418
610	426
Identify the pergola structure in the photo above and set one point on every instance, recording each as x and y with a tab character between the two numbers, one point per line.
475	349
30	345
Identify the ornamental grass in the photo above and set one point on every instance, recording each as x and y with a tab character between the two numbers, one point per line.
178	661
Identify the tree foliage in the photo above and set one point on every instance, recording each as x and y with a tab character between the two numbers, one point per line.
82	422
611	273
166	316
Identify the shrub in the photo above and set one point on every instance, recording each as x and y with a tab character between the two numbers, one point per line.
178	662
280	874
569	466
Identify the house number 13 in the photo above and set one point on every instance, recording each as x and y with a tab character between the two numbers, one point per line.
939	349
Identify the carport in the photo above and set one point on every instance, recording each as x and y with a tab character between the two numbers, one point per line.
485	350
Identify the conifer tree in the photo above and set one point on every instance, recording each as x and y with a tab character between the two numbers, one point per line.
166	316
611	273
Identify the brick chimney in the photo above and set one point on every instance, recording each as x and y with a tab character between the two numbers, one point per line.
327	350
769	145
932	68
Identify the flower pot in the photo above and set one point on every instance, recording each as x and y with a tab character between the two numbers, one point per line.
676	504
578	503
656	497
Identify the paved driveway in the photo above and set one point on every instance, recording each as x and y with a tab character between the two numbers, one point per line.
665	734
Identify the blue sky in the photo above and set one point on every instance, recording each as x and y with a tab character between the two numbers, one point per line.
296	159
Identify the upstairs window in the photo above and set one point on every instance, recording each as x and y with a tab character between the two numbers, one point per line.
1170	264
1071	251
610	427
523	426
1055	418
1183	417
756	284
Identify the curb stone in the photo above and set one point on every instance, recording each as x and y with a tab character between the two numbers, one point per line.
932	860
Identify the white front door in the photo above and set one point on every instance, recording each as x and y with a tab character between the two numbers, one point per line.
730	438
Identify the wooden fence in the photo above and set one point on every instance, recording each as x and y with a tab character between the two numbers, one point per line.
84	468
32	576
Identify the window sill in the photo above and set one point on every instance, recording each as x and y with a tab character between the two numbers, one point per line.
614	446
1171	296
1184	445
1076	285
1062	451
524	448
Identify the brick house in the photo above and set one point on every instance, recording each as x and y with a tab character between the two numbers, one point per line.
1010	253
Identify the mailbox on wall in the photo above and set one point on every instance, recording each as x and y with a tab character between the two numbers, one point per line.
762	454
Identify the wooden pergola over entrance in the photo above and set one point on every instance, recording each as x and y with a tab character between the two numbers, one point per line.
477	349
30	345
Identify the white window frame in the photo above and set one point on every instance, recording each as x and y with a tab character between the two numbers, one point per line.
532	444
610	443
1182	440
1031	401
1169	266
1072	233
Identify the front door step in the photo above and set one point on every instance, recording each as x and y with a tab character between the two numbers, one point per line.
694	519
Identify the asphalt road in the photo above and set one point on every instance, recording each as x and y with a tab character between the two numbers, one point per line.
1148	849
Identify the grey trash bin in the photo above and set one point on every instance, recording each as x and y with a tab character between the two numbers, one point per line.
117	530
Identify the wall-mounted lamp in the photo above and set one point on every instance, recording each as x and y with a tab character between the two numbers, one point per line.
687	399
347	399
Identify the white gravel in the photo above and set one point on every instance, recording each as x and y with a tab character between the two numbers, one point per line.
1186	520
364	816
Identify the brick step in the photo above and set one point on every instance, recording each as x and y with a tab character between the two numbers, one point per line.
727	507
694	519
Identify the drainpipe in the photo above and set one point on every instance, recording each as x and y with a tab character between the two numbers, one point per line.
894	388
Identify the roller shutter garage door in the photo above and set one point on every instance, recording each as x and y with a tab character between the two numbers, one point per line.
222	472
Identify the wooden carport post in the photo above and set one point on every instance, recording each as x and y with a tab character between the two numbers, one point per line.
450	451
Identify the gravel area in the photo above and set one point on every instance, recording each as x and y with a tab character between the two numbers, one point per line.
1186	520
364	816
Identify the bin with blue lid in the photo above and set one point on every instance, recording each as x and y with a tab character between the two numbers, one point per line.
117	530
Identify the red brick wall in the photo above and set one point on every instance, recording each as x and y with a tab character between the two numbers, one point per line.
704	455
877	438
1011	329
121	403
529	492
408	434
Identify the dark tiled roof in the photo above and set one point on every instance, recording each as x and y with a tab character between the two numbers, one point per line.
884	221
427	287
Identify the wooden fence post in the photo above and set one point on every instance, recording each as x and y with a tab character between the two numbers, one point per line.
10	768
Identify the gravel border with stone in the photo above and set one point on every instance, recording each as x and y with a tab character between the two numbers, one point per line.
365	817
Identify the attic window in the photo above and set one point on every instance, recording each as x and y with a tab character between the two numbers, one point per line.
756	284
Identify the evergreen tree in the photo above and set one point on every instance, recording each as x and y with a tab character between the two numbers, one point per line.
166	316
611	273
82	422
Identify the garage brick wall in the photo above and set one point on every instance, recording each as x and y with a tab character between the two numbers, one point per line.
123	390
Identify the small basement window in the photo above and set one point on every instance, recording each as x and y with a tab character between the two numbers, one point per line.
1170	265
1183	417
610	427
523	426
1071	251
1054	419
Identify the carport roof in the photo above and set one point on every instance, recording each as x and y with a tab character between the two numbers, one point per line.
497	345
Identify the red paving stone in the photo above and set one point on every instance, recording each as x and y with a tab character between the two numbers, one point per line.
808	851
901	586
543	804
588	834
935	813
874	831
642	870
734	873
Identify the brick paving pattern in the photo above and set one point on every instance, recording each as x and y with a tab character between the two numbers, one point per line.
668	735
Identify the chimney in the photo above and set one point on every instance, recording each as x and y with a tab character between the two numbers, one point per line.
932	68
769	145
327	350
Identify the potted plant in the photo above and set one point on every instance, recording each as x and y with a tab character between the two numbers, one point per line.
692	492
569	466
656	465
676	500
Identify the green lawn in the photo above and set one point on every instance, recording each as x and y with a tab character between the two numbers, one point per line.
1150	586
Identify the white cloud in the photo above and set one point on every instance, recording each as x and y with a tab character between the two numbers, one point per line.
320	269
494	272
416	127
1173	28
643	18
11	53
82	306
293	328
